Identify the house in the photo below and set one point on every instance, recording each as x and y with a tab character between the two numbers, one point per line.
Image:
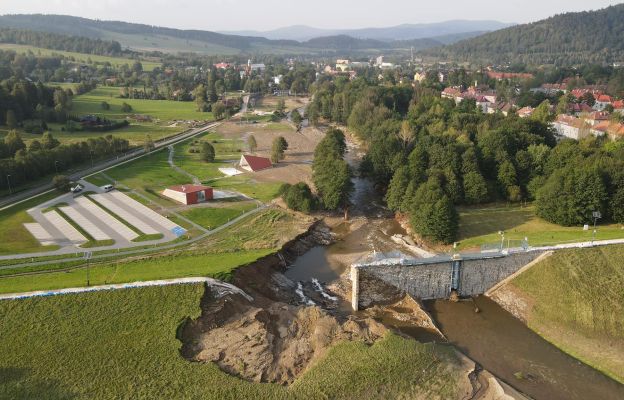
452	93
525	112
189	194
502	107
613	129
420	76
254	163
577	109
499	76
602	101
618	106
597	117
222	65
571	127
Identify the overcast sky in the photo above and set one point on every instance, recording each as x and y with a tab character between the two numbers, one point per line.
269	14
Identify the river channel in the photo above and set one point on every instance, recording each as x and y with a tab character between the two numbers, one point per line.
492	337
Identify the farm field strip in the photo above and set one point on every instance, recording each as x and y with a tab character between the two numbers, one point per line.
145	211
85	223
39	232
65	227
108	201
107	219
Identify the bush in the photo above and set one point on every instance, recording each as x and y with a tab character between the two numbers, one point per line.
126	108
105	106
207	152
298	197
61	183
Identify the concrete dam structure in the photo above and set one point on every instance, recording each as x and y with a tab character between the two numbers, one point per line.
434	278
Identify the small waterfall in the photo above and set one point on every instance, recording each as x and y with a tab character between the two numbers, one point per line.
304	299
319	288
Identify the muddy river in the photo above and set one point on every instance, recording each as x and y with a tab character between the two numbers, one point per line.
492	337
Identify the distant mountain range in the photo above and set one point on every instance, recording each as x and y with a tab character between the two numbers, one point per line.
565	39
153	38
304	33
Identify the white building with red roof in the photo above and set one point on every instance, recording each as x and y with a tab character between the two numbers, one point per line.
189	194
254	163
602	101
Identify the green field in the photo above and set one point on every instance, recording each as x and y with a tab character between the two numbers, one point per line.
578	304
122	344
164	110
14	238
79	57
211	218
479	226
226	152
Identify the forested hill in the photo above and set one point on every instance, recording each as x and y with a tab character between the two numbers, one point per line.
566	39
53	41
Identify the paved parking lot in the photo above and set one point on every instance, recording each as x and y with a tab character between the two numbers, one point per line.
102	216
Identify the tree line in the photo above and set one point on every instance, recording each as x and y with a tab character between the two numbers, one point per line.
20	164
429	156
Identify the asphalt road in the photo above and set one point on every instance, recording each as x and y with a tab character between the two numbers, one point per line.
75	176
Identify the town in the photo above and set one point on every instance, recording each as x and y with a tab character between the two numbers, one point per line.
425	210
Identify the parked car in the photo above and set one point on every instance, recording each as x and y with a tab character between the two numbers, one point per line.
77	189
108	188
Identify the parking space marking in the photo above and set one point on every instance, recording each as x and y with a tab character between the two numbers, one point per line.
65	227
85	223
107	219
39	232
145	211
110	202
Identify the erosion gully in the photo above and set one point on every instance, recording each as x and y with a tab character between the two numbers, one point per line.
493	338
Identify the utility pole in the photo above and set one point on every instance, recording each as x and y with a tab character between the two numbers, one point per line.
597	215
9	183
56	166
87	256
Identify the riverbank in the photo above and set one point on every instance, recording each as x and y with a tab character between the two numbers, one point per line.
574	300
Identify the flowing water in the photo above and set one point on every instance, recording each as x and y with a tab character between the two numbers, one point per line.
493	337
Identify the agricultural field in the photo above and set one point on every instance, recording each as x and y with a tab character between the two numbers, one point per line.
14	238
122	344
480	226
269	103
163	110
79	57
577	303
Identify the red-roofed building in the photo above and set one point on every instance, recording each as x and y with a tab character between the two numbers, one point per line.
508	75
613	129
602	101
254	163
525	112
223	65
597	117
618	106
189	194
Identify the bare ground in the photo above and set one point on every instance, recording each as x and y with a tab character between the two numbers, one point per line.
297	166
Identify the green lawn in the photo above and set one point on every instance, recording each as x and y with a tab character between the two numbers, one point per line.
79	57
122	344
166	110
134	133
148	175
226	151
211	218
263	191
578	304
478	226
14	238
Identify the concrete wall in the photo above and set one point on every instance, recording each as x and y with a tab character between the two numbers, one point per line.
383	283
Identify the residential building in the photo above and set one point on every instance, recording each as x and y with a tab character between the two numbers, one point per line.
571	127
602	101
525	112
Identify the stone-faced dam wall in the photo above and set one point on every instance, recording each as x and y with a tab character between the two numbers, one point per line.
433	278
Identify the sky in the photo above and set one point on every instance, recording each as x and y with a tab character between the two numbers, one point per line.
221	15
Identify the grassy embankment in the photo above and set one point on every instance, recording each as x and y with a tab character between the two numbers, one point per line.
79	57
123	344
216	256
578	304
14	237
481	225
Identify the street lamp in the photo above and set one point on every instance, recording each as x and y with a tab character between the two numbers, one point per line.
56	165
9	182
502	234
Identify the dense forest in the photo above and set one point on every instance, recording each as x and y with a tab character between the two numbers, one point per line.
60	42
429	155
567	39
